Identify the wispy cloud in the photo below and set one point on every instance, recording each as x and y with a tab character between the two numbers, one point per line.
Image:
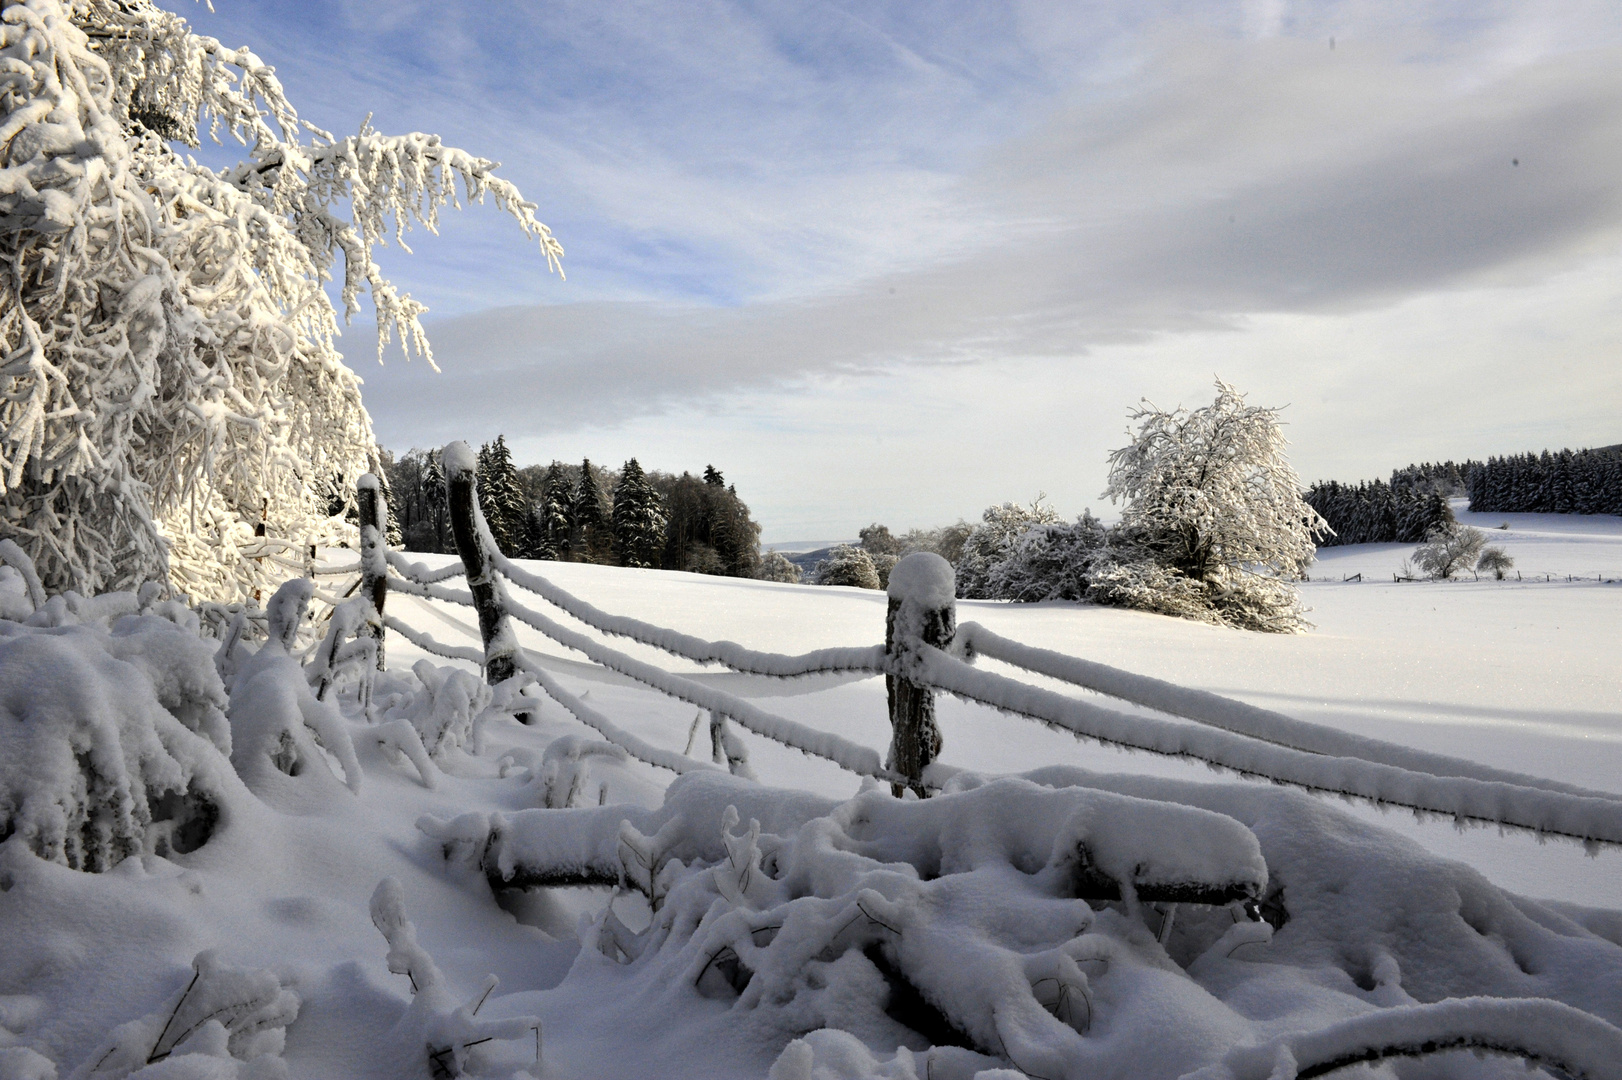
798	219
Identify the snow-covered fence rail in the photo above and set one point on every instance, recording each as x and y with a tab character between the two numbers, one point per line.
975	640
924	652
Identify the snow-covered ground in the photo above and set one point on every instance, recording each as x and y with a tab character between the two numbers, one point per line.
1519	675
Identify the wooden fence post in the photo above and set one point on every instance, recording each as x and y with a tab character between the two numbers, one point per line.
462	499
922	611
374	566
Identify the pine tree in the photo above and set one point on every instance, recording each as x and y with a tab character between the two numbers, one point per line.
501	497
713	478
554	515
593	532
639	518
433	490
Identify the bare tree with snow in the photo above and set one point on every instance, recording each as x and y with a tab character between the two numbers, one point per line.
170	370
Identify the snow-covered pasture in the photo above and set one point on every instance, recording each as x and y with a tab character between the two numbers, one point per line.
848	934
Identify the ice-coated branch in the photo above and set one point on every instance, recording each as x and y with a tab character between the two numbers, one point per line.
434	1026
1543	1032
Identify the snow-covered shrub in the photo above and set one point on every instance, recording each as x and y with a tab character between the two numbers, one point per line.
278	726
1068	925
1449	549
846	565
1210	498
435	1035
564	777
170	362
235	1021
1048	562
449	707
1494	561
775	566
991	541
110	741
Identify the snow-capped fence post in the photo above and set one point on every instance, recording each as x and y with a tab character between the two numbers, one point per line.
374	567
467	528
922	611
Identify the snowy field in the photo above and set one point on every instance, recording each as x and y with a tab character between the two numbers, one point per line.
1518	675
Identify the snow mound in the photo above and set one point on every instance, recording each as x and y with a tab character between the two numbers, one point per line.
109	741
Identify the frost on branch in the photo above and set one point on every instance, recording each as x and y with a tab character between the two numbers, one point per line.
105	741
436	1036
234	1019
167	359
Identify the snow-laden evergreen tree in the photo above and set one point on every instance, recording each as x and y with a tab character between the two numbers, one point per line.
638	517
168	342
1211	500
593	528
554	515
501	497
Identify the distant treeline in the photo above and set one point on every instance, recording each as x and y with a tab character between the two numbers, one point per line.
1377	512
1415	501
583	513
1564	482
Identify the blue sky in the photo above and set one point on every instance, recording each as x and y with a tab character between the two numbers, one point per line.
899	262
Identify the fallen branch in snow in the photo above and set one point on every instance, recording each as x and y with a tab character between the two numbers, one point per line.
433	1025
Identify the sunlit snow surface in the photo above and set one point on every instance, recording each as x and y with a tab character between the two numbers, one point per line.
1522	675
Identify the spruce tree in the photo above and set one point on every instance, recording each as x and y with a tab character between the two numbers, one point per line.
638	517
554	515
592	526
501	496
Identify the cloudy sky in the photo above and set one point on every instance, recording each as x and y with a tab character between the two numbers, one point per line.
899	261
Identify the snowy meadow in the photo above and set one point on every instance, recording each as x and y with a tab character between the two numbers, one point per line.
372	872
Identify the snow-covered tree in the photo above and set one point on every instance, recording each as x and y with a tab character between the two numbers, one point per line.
775	566
592	516
1449	550
1211	500
501	497
1494	561
638	517
170	368
991	541
554	515
846	565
